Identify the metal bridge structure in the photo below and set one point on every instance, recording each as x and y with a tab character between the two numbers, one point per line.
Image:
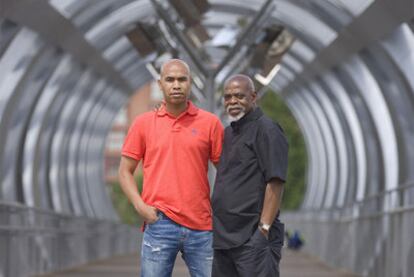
344	68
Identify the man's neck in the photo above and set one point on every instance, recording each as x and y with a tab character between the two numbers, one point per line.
176	110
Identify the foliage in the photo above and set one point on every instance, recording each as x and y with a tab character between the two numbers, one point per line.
122	205
274	107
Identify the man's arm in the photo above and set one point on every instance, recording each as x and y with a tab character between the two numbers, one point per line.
129	187
272	200
216	143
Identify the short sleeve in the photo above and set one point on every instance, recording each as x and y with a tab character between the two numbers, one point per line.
216	141
272	148
134	144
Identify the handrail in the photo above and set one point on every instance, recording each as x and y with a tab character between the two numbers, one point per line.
20	206
383	194
57	240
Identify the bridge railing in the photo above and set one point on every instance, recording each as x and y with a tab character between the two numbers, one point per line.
372	237
35	241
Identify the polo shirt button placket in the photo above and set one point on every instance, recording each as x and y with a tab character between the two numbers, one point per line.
176	127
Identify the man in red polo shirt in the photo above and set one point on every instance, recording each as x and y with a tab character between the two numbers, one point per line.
175	144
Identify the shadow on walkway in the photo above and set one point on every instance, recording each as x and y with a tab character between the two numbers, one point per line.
294	264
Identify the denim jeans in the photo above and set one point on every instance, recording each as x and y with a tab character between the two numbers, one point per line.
164	239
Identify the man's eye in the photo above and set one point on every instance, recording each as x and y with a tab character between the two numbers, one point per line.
239	96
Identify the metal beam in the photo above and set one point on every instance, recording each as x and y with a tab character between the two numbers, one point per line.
182	40
210	92
377	21
232	9
260	15
57	30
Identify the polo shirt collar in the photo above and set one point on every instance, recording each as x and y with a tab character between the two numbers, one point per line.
191	109
253	115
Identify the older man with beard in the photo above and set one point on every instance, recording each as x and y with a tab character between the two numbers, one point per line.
247	234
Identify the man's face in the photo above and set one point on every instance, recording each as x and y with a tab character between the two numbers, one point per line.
238	99
175	83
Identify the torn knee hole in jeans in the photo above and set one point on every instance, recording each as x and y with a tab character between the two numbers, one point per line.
153	248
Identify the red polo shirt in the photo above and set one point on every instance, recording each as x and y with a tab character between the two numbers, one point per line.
175	153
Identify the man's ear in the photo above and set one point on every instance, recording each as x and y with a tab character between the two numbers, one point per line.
254	96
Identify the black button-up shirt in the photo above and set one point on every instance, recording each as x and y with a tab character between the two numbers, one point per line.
254	151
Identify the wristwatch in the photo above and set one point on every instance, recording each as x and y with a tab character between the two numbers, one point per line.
264	226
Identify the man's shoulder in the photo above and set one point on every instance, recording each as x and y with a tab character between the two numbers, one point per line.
145	116
142	119
265	124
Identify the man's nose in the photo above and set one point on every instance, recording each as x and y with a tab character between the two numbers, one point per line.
176	84
233	99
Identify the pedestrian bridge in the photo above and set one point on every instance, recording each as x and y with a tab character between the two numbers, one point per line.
344	68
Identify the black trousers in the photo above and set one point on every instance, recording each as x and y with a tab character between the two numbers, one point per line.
258	257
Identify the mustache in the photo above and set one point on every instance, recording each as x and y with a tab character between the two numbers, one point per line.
235	106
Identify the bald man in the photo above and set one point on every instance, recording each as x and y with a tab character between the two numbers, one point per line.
248	235
175	144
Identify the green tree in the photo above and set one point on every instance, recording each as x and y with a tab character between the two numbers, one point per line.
274	107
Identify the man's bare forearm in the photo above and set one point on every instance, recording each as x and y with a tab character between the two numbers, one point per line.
130	189
272	201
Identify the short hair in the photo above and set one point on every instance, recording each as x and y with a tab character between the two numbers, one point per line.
241	78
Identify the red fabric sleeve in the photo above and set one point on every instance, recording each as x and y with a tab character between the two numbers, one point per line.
134	144
216	141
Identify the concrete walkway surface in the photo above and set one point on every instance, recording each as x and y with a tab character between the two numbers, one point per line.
294	264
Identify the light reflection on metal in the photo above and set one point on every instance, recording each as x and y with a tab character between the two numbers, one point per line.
152	71
265	80
60	146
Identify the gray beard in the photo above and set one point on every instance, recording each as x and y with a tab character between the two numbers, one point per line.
235	118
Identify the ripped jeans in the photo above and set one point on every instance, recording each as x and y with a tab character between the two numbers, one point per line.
164	239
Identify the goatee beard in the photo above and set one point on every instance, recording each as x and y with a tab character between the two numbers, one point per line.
236	118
